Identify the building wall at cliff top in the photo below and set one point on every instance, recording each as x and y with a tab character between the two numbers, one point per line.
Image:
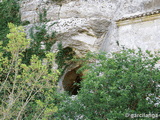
126	36
142	32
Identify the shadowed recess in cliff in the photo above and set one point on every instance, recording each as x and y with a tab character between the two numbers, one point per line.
71	81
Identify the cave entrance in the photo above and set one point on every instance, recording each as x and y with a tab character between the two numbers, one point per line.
70	81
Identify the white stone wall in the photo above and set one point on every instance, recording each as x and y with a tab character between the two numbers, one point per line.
144	35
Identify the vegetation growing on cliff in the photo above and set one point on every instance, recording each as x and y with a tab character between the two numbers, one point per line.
41	42
9	12
64	57
57	0
115	84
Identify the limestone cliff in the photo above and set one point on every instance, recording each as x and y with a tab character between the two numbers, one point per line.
93	25
87	25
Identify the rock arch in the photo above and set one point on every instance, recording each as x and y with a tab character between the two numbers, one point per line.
70	79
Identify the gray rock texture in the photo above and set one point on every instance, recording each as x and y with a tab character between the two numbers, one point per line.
86	25
93	25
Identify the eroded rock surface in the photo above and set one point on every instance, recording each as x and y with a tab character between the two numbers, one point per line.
86	25
91	25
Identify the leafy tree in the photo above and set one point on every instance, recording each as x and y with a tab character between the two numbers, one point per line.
115	84
9	13
27	91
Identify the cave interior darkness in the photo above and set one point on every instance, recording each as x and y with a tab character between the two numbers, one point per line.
70	81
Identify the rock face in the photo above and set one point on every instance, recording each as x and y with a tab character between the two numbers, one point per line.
82	34
81	25
93	25
86	25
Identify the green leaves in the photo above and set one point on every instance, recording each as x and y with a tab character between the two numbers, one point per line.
64	57
17	41
40	44
116	84
22	85
9	14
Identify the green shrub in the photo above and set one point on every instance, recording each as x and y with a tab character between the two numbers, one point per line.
9	13
57	0
41	41
64	57
40	38
115	84
27	91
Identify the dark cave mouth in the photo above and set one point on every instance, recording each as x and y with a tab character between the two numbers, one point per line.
71	81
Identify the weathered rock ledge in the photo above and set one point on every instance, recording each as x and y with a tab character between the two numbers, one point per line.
93	25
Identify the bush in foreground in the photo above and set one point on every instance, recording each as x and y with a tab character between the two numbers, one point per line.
27	91
115	84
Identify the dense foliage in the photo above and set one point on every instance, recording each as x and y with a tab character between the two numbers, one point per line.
40	44
64	57
9	12
41	41
26	90
115	84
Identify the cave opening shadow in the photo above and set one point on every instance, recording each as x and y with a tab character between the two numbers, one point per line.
71	81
